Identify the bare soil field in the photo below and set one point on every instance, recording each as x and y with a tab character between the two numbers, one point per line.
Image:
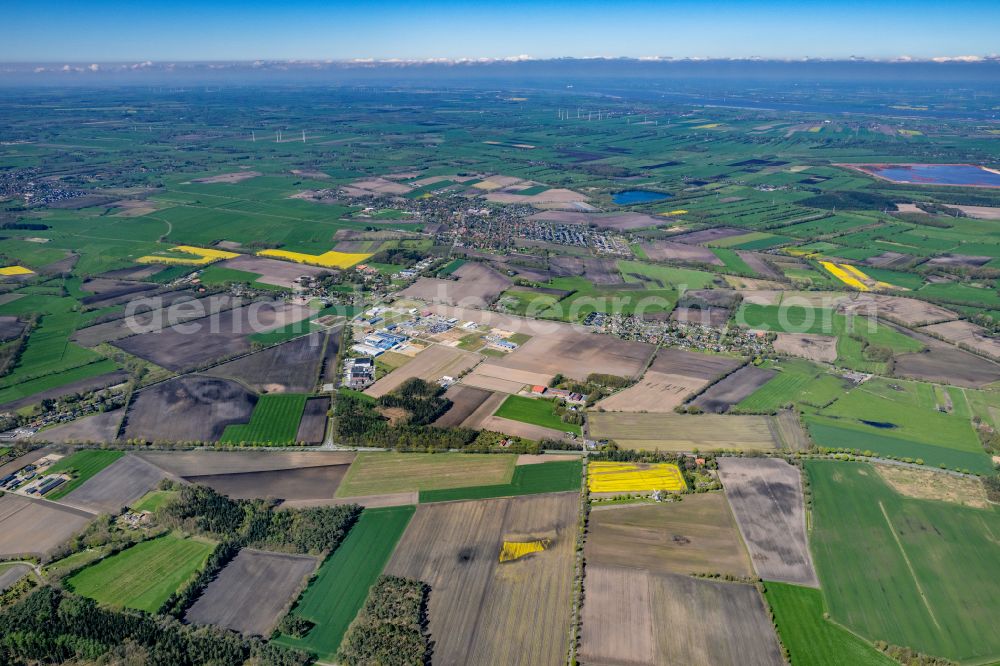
673	376
617	221
465	400
477	285
430	365
813	346
164	309
31	527
98	428
575	354
273	271
722	395
760	264
600	271
11	574
482	379
553	196
790	430
117	485
201	341
10	328
709	316
79	386
662	250
195	463
683	432
518	378
944	363
762	296
934	485
483	611
485	411
107	291
967	335
235	177
520	429
708	235
308	483
979	212
289	367
959	260
367	501
766	496
249	594
889	260
905	311
710	623
190	408
540	458
312	427
137	272
696	536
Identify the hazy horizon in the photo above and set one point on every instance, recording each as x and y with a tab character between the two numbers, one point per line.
103	31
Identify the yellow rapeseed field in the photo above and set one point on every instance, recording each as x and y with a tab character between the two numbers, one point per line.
198	256
708	126
675	212
515	550
847	274
15	270
623	477
329	259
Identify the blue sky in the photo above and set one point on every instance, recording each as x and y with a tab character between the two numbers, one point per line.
101	31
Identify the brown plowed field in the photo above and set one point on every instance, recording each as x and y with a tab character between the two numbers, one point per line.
251	591
673	376
191	408
289	484
682	432
697	622
36	527
766	496
698	535
430	365
719	397
484	612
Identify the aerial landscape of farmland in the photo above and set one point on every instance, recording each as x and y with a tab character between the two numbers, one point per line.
401	356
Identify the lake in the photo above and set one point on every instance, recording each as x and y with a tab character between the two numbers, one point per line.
630	197
935	174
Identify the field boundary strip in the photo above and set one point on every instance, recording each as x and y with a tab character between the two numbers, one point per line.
909	565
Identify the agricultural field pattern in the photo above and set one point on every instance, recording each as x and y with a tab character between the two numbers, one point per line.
404	367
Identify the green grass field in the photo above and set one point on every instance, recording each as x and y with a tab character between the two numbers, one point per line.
145	575
218	276
915	573
907	410
536	412
341	586
275	420
839	434
810	639
82	465
153	500
552	477
797	381
375	473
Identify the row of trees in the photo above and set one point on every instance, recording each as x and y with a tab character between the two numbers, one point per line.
10	354
391	629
